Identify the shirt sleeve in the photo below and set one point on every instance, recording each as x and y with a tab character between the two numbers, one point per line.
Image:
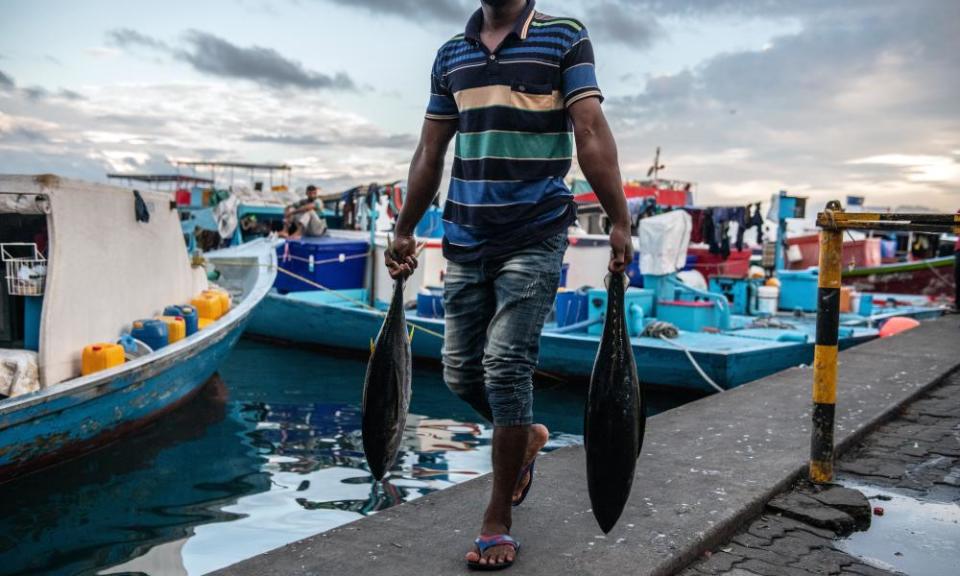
579	74
442	106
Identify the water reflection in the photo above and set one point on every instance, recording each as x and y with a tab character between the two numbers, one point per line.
269	454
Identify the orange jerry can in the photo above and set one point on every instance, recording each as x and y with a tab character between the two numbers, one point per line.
224	297
176	328
202	323
846	300
208	306
97	357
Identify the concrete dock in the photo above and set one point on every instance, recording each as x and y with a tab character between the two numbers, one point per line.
916	455
707	470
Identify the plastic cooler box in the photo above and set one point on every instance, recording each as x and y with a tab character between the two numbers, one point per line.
338	264
689	316
798	290
638	303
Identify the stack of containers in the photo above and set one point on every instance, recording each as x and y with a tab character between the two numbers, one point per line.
188	313
210	306
176	323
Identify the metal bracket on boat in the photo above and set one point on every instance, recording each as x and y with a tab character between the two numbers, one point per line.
833	222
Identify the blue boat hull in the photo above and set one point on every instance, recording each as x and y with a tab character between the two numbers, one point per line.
728	360
74	417
49	432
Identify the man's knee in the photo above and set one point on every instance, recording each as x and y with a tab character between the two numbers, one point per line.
463	379
509	386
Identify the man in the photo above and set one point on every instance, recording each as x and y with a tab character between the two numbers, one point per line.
509	88
301	219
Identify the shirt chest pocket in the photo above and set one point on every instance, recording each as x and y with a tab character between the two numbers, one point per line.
524	87
534	96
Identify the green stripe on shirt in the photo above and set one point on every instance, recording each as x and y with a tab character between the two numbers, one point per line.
518	145
538	23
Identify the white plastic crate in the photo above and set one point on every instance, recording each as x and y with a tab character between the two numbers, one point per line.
25	269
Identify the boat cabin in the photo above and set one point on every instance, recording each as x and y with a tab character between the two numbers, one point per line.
80	263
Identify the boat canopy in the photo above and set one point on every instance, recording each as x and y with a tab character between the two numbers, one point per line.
106	268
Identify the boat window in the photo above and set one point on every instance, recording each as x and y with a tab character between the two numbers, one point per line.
27	235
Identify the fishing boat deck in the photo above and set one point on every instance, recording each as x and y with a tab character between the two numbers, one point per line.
706	467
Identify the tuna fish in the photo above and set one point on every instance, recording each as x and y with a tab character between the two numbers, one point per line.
614	419
386	389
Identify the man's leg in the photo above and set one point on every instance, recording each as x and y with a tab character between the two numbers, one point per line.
525	285
469	303
313	225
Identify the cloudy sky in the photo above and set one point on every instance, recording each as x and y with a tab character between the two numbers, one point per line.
745	97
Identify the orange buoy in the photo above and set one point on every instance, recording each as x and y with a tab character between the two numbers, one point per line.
896	325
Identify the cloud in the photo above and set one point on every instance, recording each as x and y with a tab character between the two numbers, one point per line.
35	92
371	140
625	24
450	11
266	66
854	80
69	94
130	38
215	56
917	167
6	82
140	126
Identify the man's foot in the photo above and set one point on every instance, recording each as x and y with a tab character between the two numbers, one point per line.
539	435
493	551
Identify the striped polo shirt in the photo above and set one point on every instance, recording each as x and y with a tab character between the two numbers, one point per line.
515	140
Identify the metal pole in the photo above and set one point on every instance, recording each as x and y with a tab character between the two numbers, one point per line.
825	352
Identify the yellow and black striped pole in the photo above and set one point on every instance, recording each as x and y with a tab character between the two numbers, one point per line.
825	353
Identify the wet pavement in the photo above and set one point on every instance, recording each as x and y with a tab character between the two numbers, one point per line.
905	476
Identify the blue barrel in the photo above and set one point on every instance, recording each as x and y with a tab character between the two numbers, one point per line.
153	333
571	307
187	312
430	305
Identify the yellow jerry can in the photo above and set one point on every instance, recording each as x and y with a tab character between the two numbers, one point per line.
224	297
176	328
208	306
97	357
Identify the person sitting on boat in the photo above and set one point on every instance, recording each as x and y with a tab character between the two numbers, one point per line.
302	219
518	108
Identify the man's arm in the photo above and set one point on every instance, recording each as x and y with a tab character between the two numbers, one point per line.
597	154
306	207
426	170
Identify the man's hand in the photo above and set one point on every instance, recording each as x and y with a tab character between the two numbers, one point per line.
621	248
401	257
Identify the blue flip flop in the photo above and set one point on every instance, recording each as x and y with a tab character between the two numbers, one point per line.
526	489
484	543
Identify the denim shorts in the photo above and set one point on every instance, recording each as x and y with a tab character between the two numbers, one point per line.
494	311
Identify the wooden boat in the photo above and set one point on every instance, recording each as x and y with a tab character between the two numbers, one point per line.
327	320
110	264
933	277
705	355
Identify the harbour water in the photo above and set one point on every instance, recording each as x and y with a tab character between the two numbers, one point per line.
267	454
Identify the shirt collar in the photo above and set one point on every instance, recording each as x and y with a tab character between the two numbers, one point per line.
520	28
